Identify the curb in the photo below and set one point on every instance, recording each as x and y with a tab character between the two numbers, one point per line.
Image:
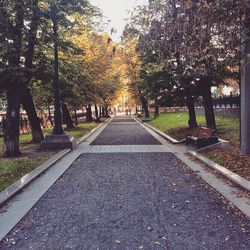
83	138
221	143
240	181
17	186
165	136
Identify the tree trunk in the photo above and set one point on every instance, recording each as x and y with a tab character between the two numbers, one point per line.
245	86
106	111
76	119
208	105
29	55
28	105
27	101
145	107
66	117
96	114
50	117
100	111
15	89
89	117
156	114
11	128
191	111
103	112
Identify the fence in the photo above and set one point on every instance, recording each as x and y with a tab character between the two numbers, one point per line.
230	101
25	124
223	105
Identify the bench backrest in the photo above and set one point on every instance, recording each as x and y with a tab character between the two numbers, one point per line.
206	132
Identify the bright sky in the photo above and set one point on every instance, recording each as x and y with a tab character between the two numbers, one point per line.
117	12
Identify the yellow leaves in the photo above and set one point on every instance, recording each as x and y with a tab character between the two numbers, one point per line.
189	4
43	5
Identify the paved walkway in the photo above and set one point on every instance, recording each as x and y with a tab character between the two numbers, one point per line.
128	191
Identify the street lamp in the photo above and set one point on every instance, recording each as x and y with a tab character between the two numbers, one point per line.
57	140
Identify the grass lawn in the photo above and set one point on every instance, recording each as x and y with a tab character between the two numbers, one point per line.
13	169
81	129
175	124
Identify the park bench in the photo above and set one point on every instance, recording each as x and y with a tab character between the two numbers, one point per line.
205	137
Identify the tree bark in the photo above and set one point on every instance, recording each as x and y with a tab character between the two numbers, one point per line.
29	107
27	101
15	89
103	112
96	114
191	111
100	111
50	117
145	107
208	105
66	117
89	117
156	114
245	86
76	119
11	127
106	111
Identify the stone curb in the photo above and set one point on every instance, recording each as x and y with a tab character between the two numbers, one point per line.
221	143
165	136
240	181
17	186
83	138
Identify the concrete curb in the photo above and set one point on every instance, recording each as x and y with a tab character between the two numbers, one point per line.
17	186
83	138
165	136
240	181
221	143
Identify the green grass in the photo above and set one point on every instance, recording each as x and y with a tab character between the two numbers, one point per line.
228	128
81	129
13	169
168	121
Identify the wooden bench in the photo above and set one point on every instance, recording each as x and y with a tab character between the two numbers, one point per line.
206	136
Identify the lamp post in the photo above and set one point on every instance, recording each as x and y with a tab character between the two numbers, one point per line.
58	129
57	140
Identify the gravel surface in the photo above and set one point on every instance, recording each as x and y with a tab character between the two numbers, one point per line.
118	133
123	120
130	201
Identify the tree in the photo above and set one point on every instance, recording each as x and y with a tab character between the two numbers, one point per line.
14	31
245	84
19	38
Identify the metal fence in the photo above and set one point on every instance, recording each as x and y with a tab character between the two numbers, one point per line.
226	101
25	124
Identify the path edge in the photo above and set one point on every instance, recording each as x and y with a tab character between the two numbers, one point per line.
18	186
236	179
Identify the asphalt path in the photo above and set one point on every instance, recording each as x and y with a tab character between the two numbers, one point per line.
130	201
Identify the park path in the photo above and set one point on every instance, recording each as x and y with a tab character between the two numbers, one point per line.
128	191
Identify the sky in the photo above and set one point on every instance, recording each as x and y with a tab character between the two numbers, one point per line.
117	12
